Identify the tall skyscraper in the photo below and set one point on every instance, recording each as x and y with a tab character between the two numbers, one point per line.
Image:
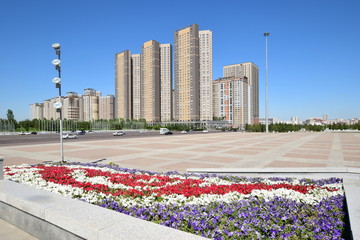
137	85
91	104
123	85
251	71
151	81
106	107
36	111
187	74
231	100
166	81
71	106
49	111
206	88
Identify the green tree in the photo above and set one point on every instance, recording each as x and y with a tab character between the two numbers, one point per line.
10	116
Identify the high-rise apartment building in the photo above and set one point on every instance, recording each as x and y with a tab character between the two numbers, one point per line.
49	111
187	74
106	107
231	100
206	88
151	81
251	71
71	106
88	107
46	109
137	86
36	111
91	104
166	82
123	85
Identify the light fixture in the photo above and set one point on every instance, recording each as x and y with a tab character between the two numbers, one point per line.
56	80
56	62
57	105
56	46
266	34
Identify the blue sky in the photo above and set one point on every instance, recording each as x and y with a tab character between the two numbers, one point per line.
314	50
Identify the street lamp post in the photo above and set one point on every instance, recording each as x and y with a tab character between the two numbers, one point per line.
267	85
57	82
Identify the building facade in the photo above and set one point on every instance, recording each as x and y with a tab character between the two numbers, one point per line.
123	85
106	107
231	100
91	104
251	71
187	74
71	106
49	111
166	82
36	111
137	86
88	107
206	76
151	81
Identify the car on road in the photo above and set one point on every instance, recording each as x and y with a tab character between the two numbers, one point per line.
24	133
69	136
205	131
184	132
80	132
119	133
168	133
164	131
33	133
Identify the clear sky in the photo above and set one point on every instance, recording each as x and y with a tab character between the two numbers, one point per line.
314	47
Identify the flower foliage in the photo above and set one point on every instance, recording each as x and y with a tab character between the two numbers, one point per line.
217	207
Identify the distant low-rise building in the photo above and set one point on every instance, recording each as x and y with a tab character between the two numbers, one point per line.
88	107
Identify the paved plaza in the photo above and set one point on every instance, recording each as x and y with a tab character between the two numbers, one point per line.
181	152
220	150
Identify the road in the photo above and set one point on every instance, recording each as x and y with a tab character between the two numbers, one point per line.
13	140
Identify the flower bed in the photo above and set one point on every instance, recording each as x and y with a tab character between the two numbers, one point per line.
218	207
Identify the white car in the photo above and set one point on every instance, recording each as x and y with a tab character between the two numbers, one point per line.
69	136
205	131
164	131
184	131
118	133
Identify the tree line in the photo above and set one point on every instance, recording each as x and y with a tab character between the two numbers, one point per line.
10	124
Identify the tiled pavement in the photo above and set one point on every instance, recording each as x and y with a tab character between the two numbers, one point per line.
180	152
223	150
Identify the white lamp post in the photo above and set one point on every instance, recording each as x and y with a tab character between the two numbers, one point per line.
57	82
267	86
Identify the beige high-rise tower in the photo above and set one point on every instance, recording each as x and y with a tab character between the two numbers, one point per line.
91	104
166	81
251	71
123	85
137	86
231	100
36	111
187	74
151	81
106	107
206	88
71	106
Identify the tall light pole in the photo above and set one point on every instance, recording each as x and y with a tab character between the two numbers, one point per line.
267	85
57	82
